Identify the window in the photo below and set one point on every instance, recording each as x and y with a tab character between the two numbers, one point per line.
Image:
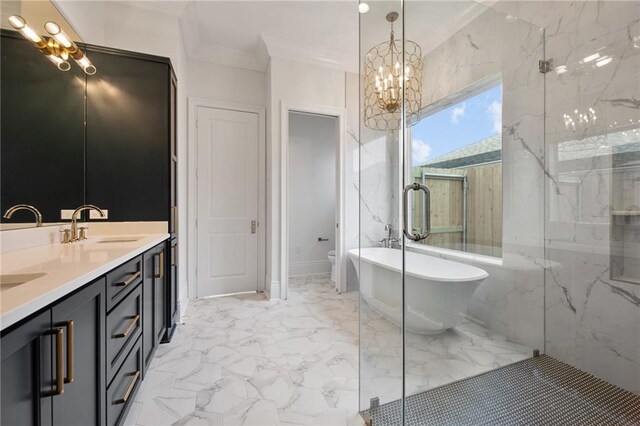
456	150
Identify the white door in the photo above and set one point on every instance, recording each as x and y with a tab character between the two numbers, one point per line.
227	177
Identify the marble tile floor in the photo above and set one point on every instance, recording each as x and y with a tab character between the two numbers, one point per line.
244	360
431	361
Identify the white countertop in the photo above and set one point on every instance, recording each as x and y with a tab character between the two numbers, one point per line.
67	267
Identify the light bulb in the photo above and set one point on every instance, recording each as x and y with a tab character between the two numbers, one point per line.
86	65
363	7
17	22
57	33
20	24
59	62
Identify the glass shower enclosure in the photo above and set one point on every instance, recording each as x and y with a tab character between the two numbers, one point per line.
499	187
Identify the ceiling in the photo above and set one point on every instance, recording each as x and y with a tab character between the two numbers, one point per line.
246	33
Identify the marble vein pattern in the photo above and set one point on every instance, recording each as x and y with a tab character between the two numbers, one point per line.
430	361
244	360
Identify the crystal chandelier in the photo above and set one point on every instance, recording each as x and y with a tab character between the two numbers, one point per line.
385	78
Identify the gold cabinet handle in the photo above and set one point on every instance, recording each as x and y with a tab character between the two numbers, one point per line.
127	393
70	352
160	264
130	327
59	389
129	280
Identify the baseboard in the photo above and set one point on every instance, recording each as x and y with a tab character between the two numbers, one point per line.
310	267
182	309
274	292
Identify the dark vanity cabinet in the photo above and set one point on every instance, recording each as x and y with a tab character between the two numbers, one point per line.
26	372
154	300
132	155
52	363
108	139
81	360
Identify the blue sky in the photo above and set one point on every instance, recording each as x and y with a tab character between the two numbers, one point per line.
461	124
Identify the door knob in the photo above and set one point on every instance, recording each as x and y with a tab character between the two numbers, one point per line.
254	226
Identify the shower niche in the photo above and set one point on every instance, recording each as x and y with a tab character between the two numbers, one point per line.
625	216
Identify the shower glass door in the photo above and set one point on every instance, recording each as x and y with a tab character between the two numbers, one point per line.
380	162
462	291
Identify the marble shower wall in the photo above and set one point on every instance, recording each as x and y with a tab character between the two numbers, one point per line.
509	302
554	290
593	170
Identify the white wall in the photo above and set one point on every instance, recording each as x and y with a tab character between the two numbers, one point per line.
293	82
313	144
224	83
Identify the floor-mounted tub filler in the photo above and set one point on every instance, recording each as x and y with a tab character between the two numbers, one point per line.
438	291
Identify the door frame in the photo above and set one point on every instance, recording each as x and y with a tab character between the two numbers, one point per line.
194	104
341	114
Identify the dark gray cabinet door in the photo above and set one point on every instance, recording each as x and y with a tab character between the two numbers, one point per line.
160	294
171	307
128	136
26	373
148	340
82	316
154	300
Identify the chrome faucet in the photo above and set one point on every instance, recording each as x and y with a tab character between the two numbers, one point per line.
390	241
32	209
74	219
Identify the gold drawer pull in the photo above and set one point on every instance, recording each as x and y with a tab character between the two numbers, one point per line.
129	389
159	263
129	280
70	352
59	390
130	327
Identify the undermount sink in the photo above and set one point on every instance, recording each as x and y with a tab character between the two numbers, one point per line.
12	280
117	240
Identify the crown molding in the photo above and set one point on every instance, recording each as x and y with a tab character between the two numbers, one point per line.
280	48
266	47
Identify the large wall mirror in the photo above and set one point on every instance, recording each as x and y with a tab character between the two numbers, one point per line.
42	122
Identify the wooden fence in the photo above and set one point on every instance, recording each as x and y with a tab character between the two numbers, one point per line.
484	208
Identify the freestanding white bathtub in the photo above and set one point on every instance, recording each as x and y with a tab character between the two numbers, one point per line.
438	291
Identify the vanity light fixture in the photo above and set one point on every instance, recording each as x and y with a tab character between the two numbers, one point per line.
47	49
74	51
57	48
393	76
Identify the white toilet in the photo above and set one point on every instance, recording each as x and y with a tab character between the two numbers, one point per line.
332	259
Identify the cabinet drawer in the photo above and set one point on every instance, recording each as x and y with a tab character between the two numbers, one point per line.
124	326
122	280
120	393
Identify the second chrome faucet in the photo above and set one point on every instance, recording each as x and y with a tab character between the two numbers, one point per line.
72	234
